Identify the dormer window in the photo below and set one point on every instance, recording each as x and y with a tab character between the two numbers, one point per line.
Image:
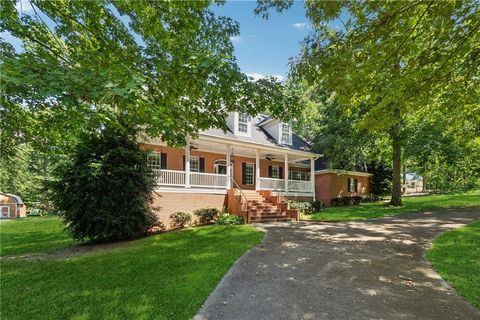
242	124
285	133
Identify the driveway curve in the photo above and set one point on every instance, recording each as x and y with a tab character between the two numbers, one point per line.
373	269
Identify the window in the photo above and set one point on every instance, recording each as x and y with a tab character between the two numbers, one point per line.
275	172
285	133
154	160
249	173
298	175
243	120
194	164
352	184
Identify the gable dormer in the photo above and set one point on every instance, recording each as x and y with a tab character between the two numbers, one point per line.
280	131
242	124
285	133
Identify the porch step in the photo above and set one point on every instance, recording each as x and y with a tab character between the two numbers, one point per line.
261	210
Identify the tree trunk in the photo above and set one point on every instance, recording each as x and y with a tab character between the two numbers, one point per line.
397	161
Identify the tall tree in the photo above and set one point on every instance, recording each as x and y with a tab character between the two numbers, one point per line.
393	57
167	67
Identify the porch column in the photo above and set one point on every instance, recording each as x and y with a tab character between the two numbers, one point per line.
285	174
257	170
312	176
187	164
229	168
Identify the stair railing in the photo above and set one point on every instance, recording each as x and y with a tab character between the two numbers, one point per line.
239	199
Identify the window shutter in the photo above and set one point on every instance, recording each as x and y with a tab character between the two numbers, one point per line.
163	161
269	171
356	185
280	172
201	165
348	185
244	177
183	163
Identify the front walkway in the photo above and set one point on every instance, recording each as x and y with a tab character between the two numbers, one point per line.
374	269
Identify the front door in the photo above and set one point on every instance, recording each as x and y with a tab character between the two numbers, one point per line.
5	212
220	167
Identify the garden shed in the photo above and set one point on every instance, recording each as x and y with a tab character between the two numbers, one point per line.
12	206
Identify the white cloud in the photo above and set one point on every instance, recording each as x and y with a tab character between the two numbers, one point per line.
236	39
258	76
300	25
23	6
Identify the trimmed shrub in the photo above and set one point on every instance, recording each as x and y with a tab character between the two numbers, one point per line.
228	219
371	198
105	191
206	215
346	201
317	205
180	219
304	206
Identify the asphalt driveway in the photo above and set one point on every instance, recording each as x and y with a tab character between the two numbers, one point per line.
373	269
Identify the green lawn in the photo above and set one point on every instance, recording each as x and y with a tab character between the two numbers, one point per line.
410	204
167	276
29	235
456	256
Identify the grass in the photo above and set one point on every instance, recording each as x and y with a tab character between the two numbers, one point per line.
167	276
455	255
410	204
31	235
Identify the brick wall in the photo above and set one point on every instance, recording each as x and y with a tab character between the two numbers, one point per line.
169	202
333	185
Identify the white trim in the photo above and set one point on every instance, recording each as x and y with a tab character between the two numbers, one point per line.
237	123
344	172
257	170
189	190
285	174
235	142
253	174
293	194
280	133
312	177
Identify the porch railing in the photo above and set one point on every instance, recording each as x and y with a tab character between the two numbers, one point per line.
271	184
170	177
219	181
197	179
299	186
200	179
279	184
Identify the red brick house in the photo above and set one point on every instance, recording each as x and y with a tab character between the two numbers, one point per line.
249	170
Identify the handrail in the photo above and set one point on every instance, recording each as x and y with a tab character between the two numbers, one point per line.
238	187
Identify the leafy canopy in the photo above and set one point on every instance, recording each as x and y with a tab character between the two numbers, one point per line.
168	66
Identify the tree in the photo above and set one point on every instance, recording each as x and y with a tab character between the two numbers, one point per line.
105	193
169	66
165	67
392	58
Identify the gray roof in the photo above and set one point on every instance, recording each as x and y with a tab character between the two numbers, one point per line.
261	136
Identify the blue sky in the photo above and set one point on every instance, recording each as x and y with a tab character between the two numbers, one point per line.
265	46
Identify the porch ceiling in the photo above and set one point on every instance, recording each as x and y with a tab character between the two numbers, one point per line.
248	152
245	151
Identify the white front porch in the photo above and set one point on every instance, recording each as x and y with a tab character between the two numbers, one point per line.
229	164
212	181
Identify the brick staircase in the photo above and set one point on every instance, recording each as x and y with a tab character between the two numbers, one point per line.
262	207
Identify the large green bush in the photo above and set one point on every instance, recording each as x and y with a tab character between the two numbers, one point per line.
228	219
206	215
105	191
